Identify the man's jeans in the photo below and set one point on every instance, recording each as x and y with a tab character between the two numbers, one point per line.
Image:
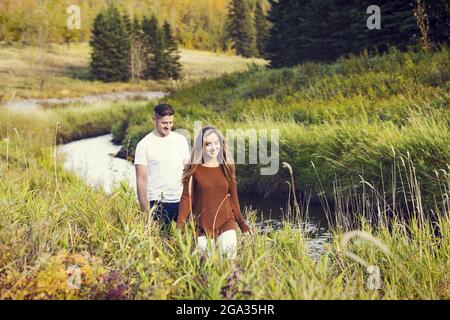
165	212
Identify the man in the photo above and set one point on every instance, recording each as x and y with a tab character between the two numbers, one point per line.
159	161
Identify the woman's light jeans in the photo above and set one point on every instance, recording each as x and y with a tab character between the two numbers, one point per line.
226	243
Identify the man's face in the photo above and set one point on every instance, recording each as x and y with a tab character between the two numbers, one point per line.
163	124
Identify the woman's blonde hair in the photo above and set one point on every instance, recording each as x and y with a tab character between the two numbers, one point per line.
197	154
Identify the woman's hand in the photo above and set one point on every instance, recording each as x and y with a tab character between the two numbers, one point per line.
250	231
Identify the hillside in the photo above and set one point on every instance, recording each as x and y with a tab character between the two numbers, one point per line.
359	118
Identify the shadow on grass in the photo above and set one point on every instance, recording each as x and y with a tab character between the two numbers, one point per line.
79	73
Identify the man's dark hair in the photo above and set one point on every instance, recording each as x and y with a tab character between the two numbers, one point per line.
164	109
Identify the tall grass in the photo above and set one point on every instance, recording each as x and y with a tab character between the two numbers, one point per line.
355	117
60	239
368	146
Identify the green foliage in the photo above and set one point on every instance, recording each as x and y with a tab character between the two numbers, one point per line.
261	27
241	28
171	64
161	51
110	47
52	224
155	48
302	29
197	23
123	49
346	118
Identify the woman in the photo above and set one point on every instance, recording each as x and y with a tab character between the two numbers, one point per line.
209	192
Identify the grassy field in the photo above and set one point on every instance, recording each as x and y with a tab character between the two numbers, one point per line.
364	123
58	71
359	119
60	239
370	132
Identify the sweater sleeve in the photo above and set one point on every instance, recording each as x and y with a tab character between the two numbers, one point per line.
235	204
184	209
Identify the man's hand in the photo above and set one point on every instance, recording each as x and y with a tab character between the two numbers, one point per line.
141	186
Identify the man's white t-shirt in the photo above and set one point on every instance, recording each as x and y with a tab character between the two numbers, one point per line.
165	158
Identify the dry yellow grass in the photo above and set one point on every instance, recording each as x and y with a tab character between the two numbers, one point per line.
64	71
203	64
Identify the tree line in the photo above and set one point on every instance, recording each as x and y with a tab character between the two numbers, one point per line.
324	30
132	49
197	24
246	27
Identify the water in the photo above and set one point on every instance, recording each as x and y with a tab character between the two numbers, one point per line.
275	209
35	104
93	160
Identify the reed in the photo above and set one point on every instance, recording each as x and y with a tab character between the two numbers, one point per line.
120	253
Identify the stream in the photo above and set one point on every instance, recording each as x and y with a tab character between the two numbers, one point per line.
35	104
94	161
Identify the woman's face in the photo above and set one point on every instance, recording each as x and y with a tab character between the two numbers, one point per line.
211	146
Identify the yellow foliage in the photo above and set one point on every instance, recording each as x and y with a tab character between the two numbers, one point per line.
61	276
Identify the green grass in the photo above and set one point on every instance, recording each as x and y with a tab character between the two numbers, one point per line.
357	117
121	254
52	221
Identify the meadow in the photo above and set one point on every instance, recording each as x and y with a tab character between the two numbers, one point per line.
59	71
60	239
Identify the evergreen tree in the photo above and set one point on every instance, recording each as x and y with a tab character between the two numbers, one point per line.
171	64
277	43
261	27
398	26
154	49
314	31
110	47
240	28
438	13
127	23
136	28
137	51
323	30
99	60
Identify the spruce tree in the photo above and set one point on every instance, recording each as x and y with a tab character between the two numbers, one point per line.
154	49
137	51
398	26
278	43
241	29
324	30
110	47
171	64
127	24
261	27
438	13
99	66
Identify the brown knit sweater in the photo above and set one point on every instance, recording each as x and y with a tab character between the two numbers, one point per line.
215	204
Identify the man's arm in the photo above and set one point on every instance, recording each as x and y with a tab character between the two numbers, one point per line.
141	186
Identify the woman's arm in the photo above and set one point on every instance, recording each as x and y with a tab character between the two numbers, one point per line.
235	203
184	208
